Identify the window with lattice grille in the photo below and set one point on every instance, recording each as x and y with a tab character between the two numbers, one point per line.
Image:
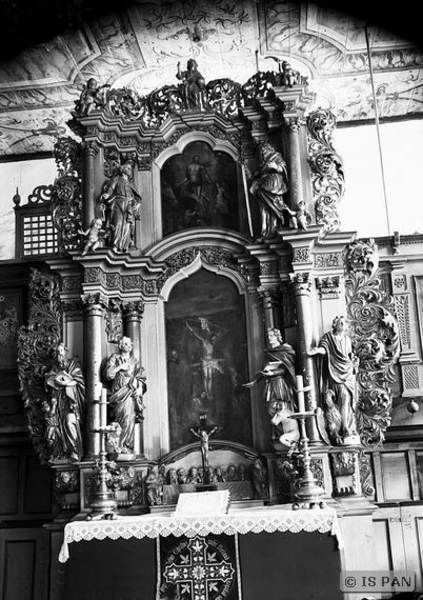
35	231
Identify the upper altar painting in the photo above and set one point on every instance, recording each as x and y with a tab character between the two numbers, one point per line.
199	189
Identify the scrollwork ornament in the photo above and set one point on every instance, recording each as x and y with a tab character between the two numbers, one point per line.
326	168
37	344
67	193
376	338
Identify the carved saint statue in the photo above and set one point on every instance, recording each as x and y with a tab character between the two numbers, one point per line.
269	187
127	378
65	381
123	204
339	375
194	86
278	371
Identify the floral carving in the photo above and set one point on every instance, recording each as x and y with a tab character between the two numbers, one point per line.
326	168
375	335
67	193
37	344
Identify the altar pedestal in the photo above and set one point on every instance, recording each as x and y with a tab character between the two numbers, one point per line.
256	551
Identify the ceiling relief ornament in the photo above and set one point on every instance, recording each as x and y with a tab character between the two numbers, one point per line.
326	167
375	336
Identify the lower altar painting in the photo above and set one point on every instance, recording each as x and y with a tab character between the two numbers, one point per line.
207	359
201	567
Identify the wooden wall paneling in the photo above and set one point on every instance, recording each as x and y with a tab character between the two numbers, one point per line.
395	476
377	472
9	477
414	475
24	558
412	526
391	553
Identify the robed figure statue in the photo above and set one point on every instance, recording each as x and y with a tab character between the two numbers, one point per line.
269	187
121	204
278	371
339	376
65	380
127	378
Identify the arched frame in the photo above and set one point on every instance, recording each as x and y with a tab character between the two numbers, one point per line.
198	245
216	145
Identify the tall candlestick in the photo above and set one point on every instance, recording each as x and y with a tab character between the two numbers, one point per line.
103	408
300	394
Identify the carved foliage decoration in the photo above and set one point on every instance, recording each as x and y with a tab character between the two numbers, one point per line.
37	344
67	193
213	255
326	169
375	335
222	95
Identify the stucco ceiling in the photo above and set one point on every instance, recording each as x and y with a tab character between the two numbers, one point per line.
139	45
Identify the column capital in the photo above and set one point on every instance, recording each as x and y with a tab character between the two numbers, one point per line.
270	297
301	282
90	148
94	303
292	123
133	310
329	286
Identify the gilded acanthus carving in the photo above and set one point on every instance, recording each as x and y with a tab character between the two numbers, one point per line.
67	193
37	344
375	334
326	169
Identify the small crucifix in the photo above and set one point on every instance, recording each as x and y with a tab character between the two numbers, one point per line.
203	433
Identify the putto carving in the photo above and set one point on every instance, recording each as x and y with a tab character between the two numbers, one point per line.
375	334
326	168
67	193
92	97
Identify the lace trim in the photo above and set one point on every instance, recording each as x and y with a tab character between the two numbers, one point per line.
266	520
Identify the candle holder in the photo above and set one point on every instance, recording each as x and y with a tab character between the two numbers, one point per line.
309	493
104	504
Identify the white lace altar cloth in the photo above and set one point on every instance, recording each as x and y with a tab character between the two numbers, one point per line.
264	519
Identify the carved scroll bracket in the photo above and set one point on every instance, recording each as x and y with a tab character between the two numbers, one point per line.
376	337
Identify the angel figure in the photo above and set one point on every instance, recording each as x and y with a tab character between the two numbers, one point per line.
93	236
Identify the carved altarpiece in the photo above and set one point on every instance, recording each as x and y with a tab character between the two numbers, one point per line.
195	169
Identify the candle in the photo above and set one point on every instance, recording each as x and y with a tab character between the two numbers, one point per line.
103	408
300	394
